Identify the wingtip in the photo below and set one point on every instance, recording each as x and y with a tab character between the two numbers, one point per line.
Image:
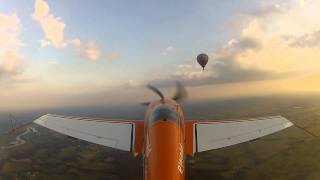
288	124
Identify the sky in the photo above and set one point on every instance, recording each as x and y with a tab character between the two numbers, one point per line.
90	53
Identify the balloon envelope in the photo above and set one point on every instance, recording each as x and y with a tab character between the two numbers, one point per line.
202	60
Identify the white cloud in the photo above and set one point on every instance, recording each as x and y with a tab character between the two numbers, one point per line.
194	75
89	50
230	43
92	51
52	26
192	72
44	43
10	58
75	42
301	2
10	28
302	17
167	50
277	53
185	66
272	45
134	83
41	10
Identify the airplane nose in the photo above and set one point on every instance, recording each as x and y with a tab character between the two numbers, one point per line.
163	113
165	119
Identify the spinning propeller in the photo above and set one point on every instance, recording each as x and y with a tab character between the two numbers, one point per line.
180	94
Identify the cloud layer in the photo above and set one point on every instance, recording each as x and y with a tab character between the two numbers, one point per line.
278	41
223	68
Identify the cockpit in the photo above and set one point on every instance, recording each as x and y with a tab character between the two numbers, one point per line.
164	112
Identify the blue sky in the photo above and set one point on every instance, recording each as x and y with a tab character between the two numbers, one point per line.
62	48
138	28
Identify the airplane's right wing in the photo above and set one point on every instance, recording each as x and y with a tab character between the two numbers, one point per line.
213	134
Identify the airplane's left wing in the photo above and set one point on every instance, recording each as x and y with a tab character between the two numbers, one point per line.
121	134
204	135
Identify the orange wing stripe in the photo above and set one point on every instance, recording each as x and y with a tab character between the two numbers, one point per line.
139	134
188	138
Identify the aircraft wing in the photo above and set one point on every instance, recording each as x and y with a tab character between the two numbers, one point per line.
213	134
121	134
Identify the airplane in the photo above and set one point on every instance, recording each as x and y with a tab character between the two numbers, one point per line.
164	138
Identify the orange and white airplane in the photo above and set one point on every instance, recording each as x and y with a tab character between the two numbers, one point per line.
164	138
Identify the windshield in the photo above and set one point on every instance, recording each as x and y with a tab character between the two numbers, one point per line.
164	112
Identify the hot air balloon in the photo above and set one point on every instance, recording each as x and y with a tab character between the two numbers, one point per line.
202	60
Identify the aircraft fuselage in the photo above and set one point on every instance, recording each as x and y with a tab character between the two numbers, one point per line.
164	157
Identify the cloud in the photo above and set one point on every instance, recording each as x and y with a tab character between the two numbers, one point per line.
75	42
11	60
308	40
276	54
134	83
89	50
184	66
44	43
167	50
301	2
223	67
12	65
268	48
52	26
92	51
10	28
235	46
267	10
